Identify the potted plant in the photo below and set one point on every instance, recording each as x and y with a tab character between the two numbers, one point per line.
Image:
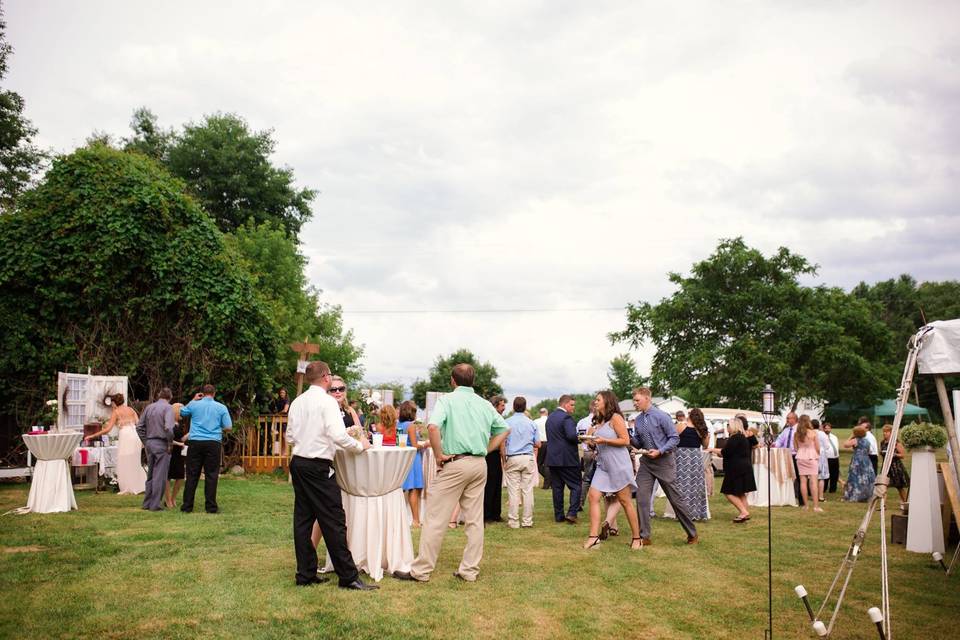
924	527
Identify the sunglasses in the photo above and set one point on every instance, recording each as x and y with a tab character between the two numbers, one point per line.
337	389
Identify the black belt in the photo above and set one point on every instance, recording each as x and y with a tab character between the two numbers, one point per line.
514	455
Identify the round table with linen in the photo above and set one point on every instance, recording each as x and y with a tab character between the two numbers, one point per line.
51	490
378	527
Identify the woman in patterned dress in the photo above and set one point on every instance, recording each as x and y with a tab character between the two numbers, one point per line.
860	477
694	434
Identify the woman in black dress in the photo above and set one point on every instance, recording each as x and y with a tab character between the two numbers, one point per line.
738	478
898	477
176	471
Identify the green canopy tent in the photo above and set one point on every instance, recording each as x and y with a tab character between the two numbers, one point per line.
887	408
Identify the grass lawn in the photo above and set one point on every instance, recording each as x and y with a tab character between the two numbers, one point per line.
111	570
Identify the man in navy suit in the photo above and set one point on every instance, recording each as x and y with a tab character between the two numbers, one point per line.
563	458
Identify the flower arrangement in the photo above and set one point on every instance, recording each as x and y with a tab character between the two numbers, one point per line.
923	434
357	432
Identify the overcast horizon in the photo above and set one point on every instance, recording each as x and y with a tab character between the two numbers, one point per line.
541	156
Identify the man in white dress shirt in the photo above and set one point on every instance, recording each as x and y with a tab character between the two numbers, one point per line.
315	431
833	458
542	467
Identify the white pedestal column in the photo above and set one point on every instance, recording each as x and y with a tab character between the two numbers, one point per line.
924	527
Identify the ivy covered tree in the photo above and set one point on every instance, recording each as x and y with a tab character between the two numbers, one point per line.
108	264
742	319
20	158
438	378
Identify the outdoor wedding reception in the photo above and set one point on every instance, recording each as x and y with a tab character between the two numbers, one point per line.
311	324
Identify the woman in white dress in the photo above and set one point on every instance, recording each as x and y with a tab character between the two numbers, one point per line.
130	474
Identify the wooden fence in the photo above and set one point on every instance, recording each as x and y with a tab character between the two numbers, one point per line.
264	446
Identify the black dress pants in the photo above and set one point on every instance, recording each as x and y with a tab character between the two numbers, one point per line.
493	490
834	465
316	498
542	464
206	455
568	477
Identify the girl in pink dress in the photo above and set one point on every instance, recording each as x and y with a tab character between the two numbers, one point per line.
808	461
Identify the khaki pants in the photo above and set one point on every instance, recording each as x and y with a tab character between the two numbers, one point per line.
520	472
459	482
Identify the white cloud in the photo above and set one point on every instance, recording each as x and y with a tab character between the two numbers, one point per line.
542	155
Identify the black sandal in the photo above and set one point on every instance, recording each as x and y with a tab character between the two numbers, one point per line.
614	531
596	541
632	540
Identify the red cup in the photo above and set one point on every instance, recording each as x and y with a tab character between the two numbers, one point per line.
83	456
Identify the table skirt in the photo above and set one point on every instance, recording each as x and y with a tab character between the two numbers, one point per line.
51	490
378	534
782	475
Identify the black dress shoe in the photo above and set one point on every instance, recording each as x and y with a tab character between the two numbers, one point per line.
404	575
358	585
313	580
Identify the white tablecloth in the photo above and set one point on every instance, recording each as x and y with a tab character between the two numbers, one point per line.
51	490
104	457
782	476
378	527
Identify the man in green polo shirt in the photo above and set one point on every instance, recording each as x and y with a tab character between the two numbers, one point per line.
463	429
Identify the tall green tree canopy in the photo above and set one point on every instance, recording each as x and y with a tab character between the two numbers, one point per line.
438	378
148	138
906	305
624	377
109	264
228	169
19	157
742	319
277	269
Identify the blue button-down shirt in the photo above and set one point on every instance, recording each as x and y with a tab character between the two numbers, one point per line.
523	435
654	429
208	419
785	440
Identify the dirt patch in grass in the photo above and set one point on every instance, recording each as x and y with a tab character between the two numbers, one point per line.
28	549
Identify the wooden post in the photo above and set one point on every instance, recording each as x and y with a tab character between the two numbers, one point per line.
950	425
303	350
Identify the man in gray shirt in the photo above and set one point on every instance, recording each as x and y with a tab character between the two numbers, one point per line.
156	430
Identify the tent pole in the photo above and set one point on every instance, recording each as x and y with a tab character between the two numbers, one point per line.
949	424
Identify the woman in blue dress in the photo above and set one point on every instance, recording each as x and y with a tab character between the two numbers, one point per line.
413	485
861	476
614	472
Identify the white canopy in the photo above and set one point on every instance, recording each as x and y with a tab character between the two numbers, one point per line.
940	352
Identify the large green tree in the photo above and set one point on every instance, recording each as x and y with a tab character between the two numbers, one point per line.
904	306
277	268
742	319
438	378
19	157
624	377
228	169
108	264
149	138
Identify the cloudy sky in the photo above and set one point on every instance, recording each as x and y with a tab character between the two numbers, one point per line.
477	158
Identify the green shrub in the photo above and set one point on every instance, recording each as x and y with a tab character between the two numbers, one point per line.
923	434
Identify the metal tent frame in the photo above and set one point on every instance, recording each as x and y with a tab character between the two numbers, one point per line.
878	500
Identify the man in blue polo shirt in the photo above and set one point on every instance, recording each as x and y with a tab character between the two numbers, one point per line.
208	419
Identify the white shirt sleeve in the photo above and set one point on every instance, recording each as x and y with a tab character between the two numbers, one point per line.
294	422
